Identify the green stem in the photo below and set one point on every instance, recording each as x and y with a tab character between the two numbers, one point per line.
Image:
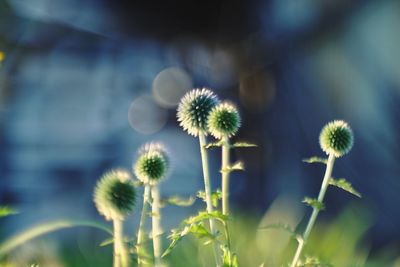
121	256
225	188
156	225
314	215
207	190
225	175
141	233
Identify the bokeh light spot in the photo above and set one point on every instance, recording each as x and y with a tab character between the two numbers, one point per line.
145	116
170	85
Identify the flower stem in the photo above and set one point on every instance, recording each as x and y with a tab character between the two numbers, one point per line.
156	225
313	218
225	175
225	188
121	256
207	190
141	251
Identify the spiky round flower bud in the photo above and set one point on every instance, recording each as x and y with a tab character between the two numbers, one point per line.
224	120
194	108
115	194
152	164
336	138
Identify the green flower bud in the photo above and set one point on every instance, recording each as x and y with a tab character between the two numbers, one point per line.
152	164
194	108
115	195
224	120
336	138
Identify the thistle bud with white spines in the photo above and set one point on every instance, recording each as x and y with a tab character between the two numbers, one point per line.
152	164
115	195
194	108
224	120
336	138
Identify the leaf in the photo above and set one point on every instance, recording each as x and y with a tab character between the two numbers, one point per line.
215	196
315	160
202	195
193	225
243	144
342	183
238	166
313	202
41	229
107	242
175	236
280	226
200	231
177	201
203	215
229	258
313	262
7	211
214	145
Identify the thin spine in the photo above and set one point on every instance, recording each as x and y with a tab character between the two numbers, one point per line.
314	215
141	232
207	190
156	225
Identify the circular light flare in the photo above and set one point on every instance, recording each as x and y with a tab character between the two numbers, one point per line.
145	116
170	85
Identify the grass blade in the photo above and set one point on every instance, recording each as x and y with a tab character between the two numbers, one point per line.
46	228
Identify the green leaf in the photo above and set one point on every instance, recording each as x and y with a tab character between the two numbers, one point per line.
194	225
313	262
214	145
178	201
7	211
315	160
342	183
215	196
243	144
229	258
238	166
39	230
280	226
176	236
313	202
107	242
203	215
200	231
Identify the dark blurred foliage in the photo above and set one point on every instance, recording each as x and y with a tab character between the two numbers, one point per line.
85	83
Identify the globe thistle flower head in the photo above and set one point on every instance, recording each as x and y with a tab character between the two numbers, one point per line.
115	195
224	120
152	164
194	108
336	138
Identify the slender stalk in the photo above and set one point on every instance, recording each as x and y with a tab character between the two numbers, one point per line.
225	186
225	175
117	256
141	233
207	190
121	256
313	218
156	225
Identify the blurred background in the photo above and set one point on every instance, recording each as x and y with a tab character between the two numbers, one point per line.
83	83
